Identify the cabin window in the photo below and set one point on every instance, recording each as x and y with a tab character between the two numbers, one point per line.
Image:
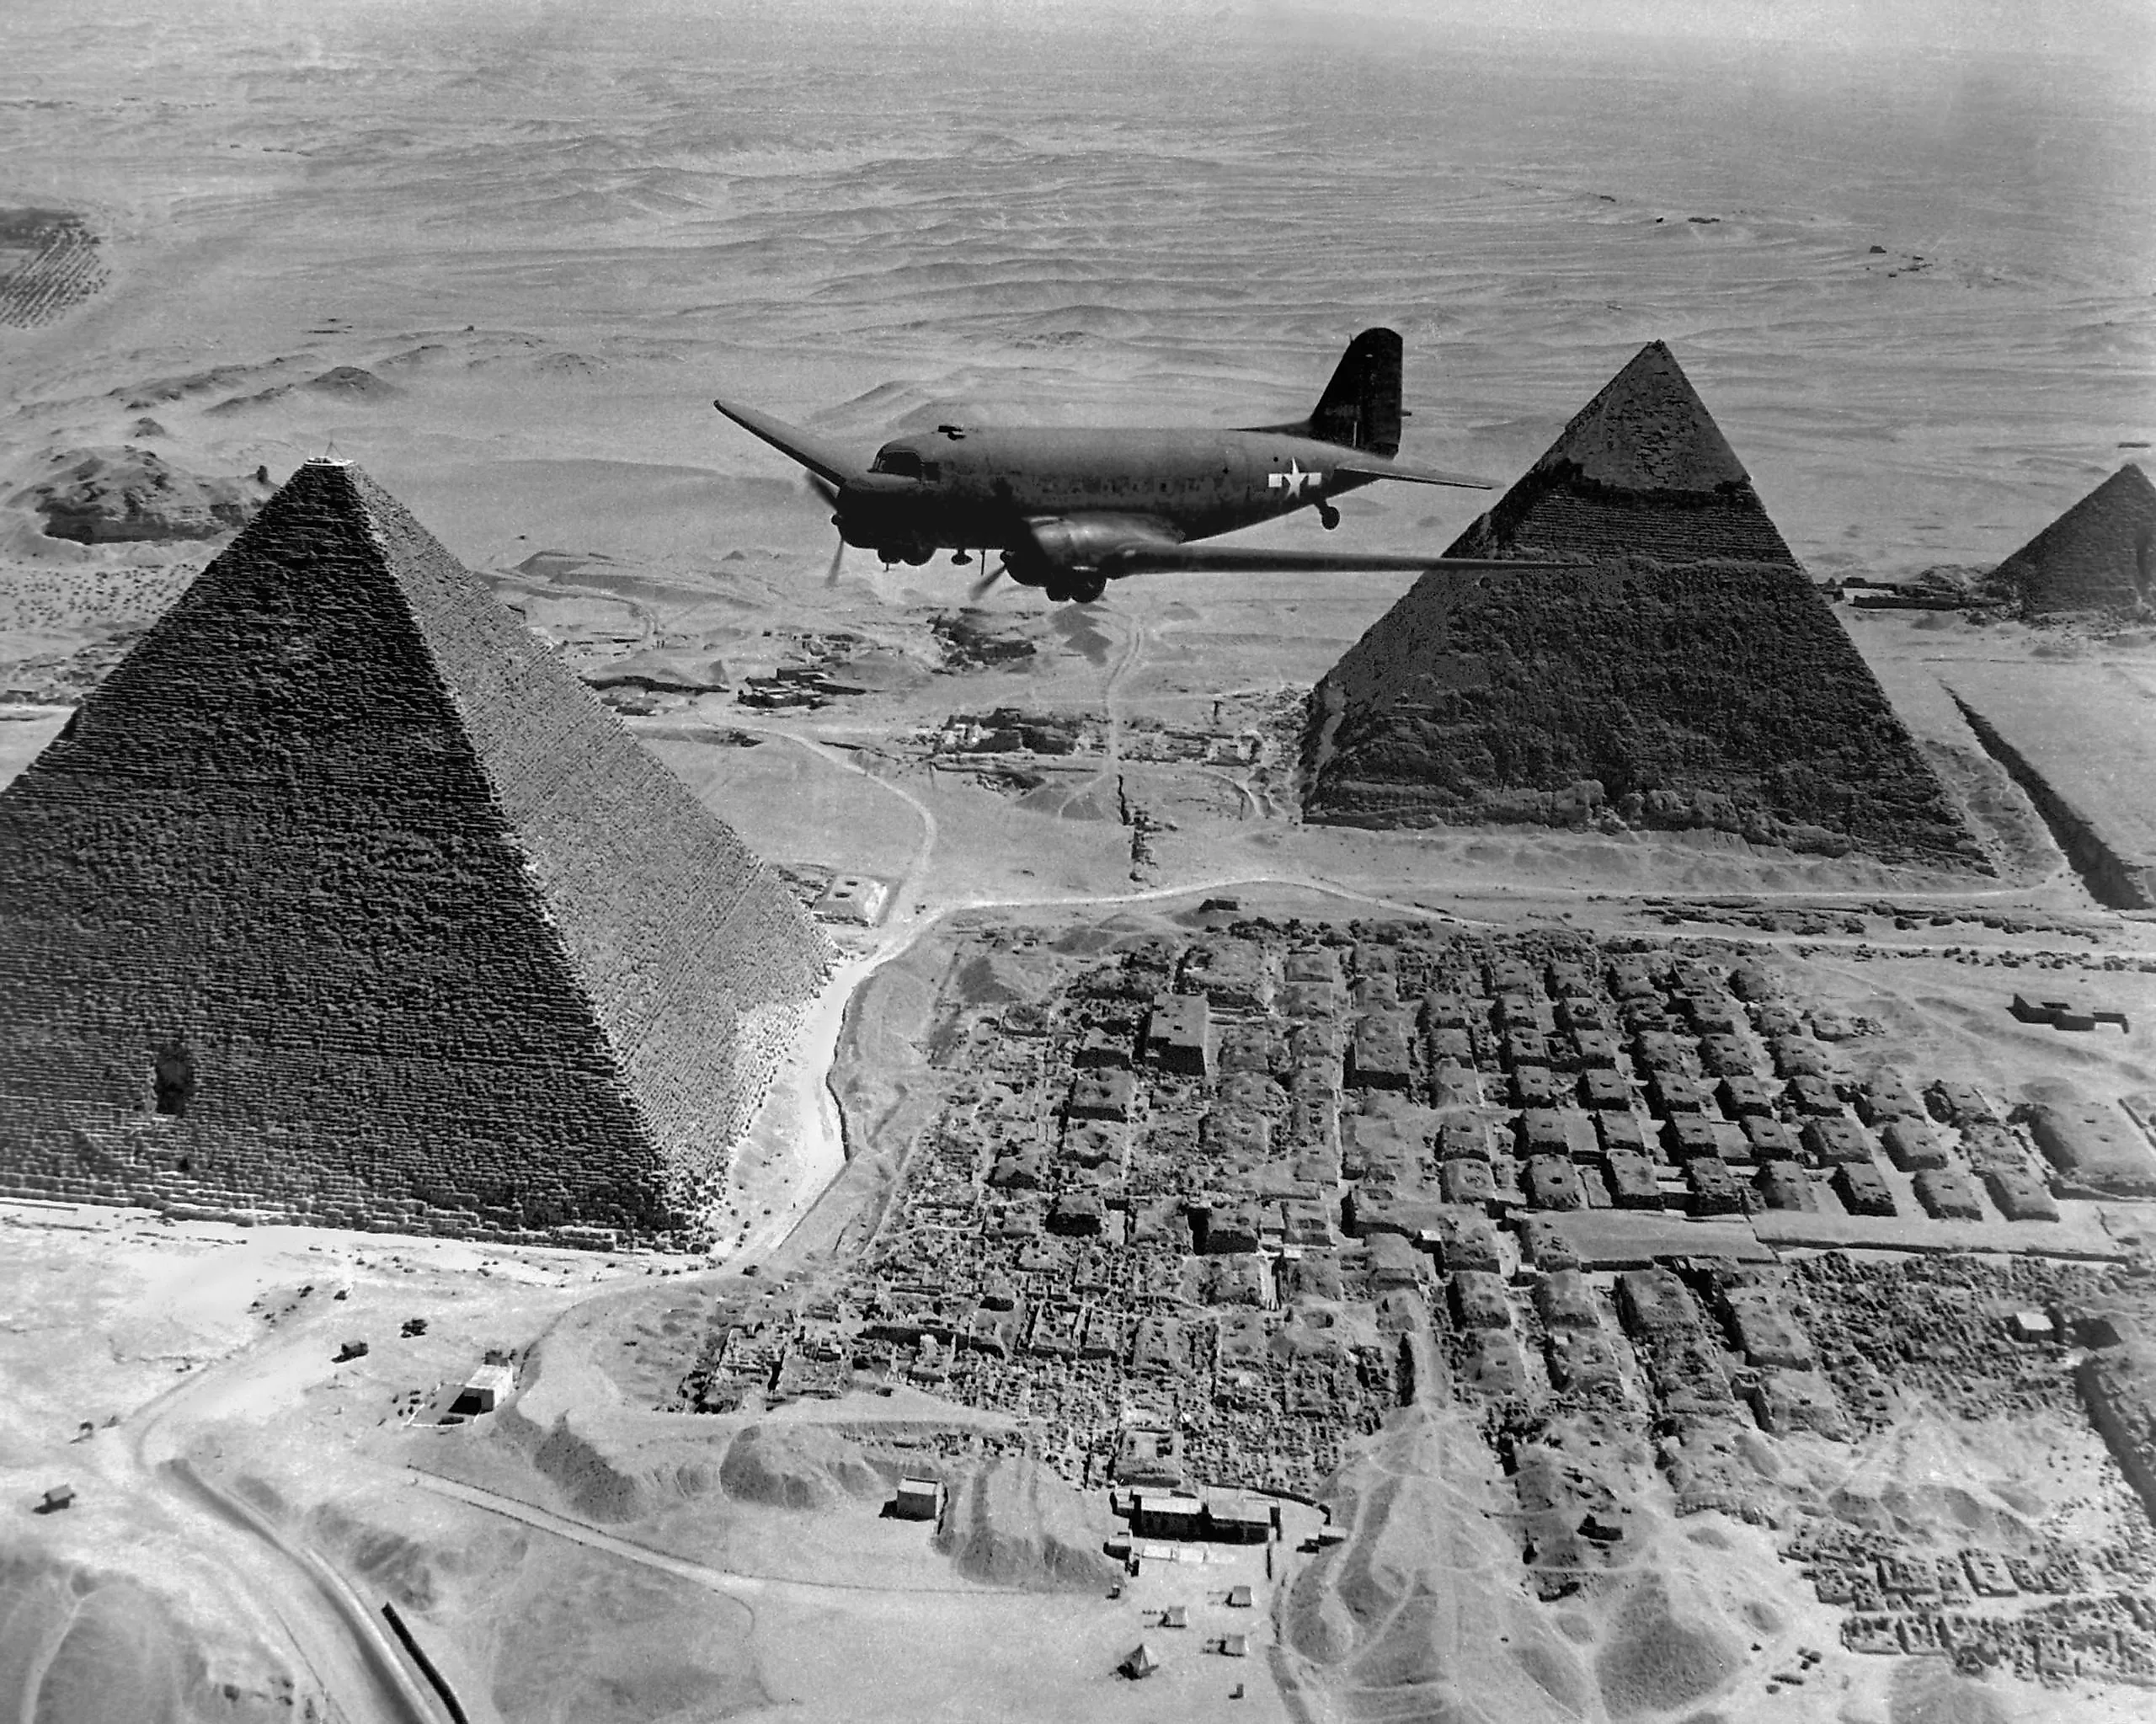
932	470
903	462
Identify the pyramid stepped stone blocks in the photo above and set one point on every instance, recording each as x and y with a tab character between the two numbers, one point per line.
341	901
2096	557
1643	470
1686	674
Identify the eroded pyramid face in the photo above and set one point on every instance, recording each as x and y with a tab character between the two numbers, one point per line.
340	899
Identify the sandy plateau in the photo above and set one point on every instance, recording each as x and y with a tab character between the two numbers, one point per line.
501	256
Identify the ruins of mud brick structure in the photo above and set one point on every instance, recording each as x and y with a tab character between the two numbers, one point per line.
1270	1260
341	902
2049	1611
2095	1149
1685	675
49	264
2096	557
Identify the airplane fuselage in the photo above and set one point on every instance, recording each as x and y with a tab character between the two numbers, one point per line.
1072	509
977	488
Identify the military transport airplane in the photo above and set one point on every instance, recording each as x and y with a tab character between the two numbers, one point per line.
1073	510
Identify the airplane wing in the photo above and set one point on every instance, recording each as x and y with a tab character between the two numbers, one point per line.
1363	465
1159	559
803	447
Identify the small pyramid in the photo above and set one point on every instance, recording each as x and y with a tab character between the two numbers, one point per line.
2096	557
1685	675
341	900
1641	470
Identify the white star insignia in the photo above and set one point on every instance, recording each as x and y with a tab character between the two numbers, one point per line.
1293	480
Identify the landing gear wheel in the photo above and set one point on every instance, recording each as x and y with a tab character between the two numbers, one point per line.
1086	591
919	555
1328	516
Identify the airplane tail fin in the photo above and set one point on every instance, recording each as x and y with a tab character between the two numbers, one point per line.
1360	408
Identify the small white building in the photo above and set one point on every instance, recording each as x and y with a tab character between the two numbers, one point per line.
853	898
918	1499
485	1390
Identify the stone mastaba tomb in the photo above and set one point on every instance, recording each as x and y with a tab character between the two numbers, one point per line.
341	901
1683	673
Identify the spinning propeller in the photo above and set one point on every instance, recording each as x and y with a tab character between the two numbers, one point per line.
830	493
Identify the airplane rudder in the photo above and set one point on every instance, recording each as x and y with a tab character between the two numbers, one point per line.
1360	408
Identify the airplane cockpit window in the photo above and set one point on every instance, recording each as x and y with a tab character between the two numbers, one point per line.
902	462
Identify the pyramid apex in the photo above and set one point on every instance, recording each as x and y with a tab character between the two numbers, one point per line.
1647	431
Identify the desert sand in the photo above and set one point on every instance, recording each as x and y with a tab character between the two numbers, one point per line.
502	255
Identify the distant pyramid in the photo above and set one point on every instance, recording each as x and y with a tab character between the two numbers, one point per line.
1685	675
1642	469
341	900
2096	557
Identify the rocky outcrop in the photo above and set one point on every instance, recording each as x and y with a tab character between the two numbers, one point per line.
2096	557
107	496
341	900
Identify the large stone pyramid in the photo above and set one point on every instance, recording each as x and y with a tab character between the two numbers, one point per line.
2096	557
1641	470
341	900
1686	674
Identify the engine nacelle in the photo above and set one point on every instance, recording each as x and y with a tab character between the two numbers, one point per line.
1066	545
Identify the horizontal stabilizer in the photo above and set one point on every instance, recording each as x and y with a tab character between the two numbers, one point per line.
803	447
1364	466
1146	559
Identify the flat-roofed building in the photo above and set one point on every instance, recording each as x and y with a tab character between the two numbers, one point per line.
1863	1189
1712	1188
1655	1302
1624	1129
1566	1301
1166	1514
1888	1095
852	898
1552	1183
1104	1092
1467	1241
2020	1196
1834	1142
1177	1032
1771	1140
1744	1097
1232	1518
2094	1144
1479	1300
1911	1145
486	1389
1948	1194
918	1499
1468	1182
1632	1181
1784	1185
